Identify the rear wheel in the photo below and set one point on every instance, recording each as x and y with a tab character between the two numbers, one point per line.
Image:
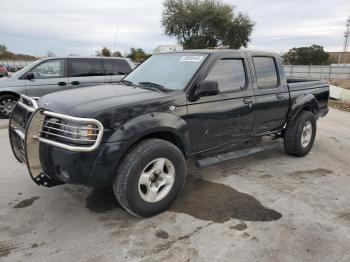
300	134
150	177
7	103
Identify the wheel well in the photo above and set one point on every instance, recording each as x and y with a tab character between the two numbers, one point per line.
9	93
308	108
168	136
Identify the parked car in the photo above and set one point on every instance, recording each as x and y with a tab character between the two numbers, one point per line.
3	71
135	136
56	74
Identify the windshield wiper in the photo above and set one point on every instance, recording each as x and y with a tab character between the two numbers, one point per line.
154	85
123	81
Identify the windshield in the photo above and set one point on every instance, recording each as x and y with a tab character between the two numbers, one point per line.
172	71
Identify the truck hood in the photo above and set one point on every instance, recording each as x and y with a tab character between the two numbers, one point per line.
105	101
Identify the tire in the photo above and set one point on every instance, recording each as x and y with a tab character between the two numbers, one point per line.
7	103
138	185
298	138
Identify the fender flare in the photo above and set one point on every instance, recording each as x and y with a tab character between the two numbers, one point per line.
150	123
306	101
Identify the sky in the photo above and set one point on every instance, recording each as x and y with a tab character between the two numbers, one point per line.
83	26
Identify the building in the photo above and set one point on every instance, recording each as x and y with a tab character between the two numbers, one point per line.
167	48
344	57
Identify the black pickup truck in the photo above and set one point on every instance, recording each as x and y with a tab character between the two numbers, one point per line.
136	135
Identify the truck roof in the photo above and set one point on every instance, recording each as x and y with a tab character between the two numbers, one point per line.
223	51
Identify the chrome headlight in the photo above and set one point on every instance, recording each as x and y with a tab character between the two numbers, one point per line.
80	132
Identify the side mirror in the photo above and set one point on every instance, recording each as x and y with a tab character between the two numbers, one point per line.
30	76
207	88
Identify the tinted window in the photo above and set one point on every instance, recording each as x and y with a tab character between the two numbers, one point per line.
116	67
49	69
85	67
266	73
229	73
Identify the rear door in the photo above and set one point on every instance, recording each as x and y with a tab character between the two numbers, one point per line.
83	72
271	95
115	69
226	118
49	76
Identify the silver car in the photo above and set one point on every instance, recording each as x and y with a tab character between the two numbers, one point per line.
60	73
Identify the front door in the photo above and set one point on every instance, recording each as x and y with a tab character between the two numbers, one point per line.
226	118
49	76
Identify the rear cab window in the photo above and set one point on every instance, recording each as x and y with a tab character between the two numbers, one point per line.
266	72
229	73
79	67
116	67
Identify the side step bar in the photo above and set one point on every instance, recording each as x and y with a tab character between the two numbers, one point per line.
236	154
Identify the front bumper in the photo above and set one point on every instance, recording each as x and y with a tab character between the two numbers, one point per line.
51	162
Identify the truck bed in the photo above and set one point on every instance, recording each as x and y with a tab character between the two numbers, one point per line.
319	88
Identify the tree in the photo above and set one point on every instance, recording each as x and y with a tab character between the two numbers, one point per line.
3	49
138	55
6	54
206	24
104	52
117	54
50	54
312	55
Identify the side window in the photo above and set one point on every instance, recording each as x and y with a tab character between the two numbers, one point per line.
116	67
49	69
229	73
266	72
78	67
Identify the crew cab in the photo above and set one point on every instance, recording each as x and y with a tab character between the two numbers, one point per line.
136	135
55	74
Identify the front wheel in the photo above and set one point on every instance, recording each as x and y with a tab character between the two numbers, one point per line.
300	134
150	177
7	103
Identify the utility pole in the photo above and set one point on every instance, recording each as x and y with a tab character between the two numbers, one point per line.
346	40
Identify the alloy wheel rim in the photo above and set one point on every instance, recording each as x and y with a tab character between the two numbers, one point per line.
306	134
156	180
6	106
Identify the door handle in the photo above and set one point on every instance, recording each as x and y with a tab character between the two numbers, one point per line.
61	83
247	100
75	83
280	96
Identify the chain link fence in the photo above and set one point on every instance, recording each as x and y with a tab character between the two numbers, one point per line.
318	72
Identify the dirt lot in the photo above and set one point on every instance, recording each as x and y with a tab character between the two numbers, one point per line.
267	207
339	105
345	83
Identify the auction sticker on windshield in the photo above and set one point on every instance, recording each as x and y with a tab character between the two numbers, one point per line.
191	58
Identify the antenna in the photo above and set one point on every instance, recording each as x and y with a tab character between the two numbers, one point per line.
346	40
116	39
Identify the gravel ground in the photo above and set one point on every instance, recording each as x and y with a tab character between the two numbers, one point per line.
267	207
